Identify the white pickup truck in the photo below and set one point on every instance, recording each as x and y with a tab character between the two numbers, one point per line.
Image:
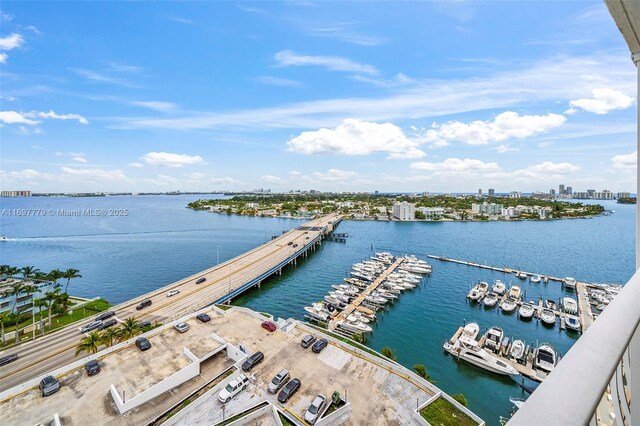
233	388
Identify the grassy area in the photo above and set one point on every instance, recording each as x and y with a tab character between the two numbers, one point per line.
349	342
82	312
443	413
284	420
243	414
265	314
224	307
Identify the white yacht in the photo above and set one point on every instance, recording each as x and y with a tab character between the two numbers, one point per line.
517	349
544	357
468	350
515	292
355	327
499	288
548	317
412	267
572	322
570	306
471	330
376	299
526	311
358	316
493	338
478	291
509	305
535	279
490	300
550	304
569	282
317	311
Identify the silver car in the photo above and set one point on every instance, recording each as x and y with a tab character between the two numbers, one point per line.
181	327
278	381
315	409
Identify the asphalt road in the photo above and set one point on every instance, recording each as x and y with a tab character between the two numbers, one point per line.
38	357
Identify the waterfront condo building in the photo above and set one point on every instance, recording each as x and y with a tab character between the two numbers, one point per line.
15	194
404	211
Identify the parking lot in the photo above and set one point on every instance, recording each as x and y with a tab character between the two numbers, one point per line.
86	400
377	395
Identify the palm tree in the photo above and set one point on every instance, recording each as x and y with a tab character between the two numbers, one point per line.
110	335
54	276
28	271
63	301
15	289
69	274
50	297
12	270
4	270
130	328
389	353
421	371
40	303
89	343
4	317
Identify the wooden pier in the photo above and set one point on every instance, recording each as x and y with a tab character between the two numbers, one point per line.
581	289
362	296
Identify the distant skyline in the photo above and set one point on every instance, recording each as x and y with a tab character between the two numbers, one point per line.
387	96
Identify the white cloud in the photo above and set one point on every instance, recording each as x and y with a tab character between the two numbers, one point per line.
271	179
168	159
95	175
508	125
357	137
11	41
506	148
603	101
287	58
456	165
101	78
155	105
14	117
335	175
626	161
136	165
276	81
343	32
52	115
79	159
3	58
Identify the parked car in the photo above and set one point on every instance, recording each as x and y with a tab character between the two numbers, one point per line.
173	292
201	280
269	326
144	324
108	323
278	381
252	361
181	327
92	367
288	391
233	388
143	343
103	316
143	304
49	385
203	317
8	358
91	326
315	409
319	345
308	340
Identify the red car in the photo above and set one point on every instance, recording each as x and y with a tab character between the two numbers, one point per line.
269	326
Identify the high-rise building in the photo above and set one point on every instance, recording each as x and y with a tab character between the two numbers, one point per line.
15	194
561	190
492	192
552	192
404	211
480	192
569	190
624	195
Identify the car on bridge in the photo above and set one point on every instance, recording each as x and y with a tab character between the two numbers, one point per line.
143	304
103	316
173	292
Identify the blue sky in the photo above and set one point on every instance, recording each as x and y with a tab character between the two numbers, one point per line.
357	96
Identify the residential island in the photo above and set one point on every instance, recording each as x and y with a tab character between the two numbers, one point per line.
359	206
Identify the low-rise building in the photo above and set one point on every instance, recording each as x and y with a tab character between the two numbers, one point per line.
432	212
22	302
404	211
486	208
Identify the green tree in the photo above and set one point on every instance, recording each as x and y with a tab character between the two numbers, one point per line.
69	274
40	304
4	317
420	215
89	343
460	398
389	353
28	271
62	300
110	335
130	328
50	298
421	371
54	276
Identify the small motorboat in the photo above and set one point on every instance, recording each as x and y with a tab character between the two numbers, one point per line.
354	317
521	275
375	299
550	304
490	300
569	282
317	312
478	291
493	338
526	311
509	305
572	322
535	279
471	330
548	317
3	238
515	292
570	305
544	357
354	327
517	349
499	288
518	402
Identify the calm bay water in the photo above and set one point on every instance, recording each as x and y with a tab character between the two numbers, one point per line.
160	241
